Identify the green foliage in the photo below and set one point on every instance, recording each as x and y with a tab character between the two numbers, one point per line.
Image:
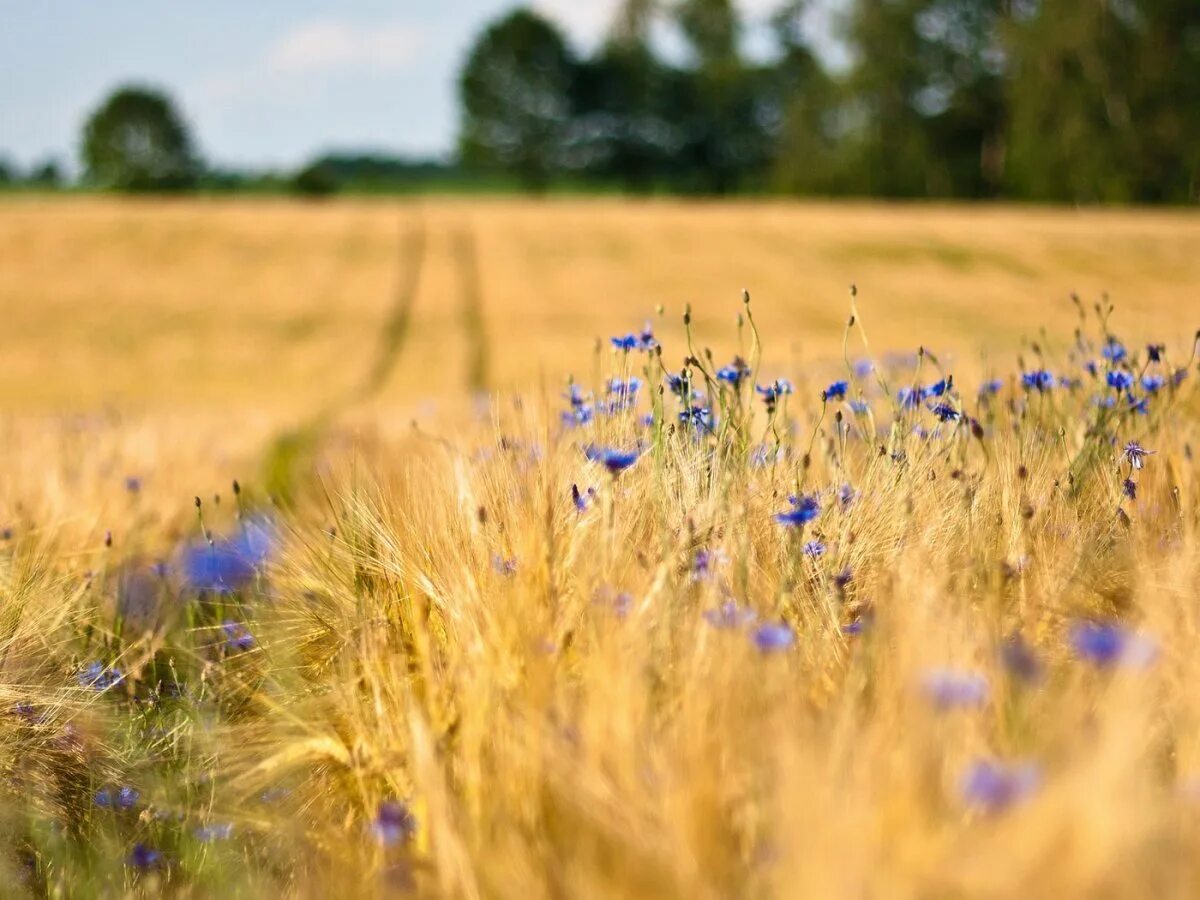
315	180
137	142
516	99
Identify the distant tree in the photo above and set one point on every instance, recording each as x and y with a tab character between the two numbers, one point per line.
724	106
317	179
712	29
516	95
136	141
8	173
806	113
47	174
1103	101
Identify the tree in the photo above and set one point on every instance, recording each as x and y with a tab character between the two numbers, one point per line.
516	95
136	141
807	143
46	174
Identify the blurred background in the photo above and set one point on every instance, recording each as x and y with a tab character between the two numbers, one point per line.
1071	100
227	206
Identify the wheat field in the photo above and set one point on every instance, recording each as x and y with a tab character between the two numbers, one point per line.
367	548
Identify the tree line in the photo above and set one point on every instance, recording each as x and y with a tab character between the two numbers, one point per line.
1058	100
1065	100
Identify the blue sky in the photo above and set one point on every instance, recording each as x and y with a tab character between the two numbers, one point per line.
263	83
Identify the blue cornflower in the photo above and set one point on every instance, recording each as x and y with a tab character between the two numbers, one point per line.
937	389
705	563
502	566
814	549
394	823
863	368
846	495
576	396
1119	380
804	509
1038	379
1154	352
953	689
699	417
909	397
220	831
579	415
143	857
624	388
1019	659
859	407
216	567
837	390
622	604
1136	454
678	385
733	374
237	636
616	461
994	786
772	392
625	342
991	387
945	412
1114	351
580	499
1139	405
647	340
96	675
1129	488
773	636
857	627
122	798
1106	644
729	615
133	484
1152	383
1092	368
225	565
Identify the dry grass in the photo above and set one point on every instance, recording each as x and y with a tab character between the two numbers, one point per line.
572	725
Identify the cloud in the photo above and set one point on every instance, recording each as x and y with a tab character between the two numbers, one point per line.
326	45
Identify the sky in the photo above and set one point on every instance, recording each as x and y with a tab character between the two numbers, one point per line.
268	83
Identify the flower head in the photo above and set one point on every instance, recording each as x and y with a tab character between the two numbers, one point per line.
394	823
995	786
734	373
237	636
143	857
99	677
773	636
1113	350
946	413
804	510
1136	454
1119	380
1038	379
615	460
625	342
954	689
1106	644
814	549
836	391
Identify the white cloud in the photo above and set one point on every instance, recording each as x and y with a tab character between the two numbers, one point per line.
324	45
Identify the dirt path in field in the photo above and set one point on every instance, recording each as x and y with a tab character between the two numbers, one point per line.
291	452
